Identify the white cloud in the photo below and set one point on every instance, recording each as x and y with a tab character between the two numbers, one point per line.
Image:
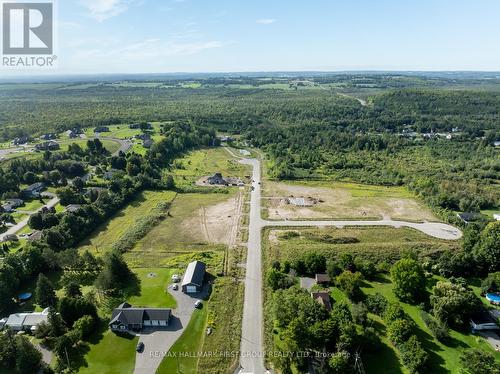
102	10
265	21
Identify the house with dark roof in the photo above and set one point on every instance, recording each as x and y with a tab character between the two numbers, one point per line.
127	318
323	279
11	204
34	190
192	282
323	298
101	129
483	320
147	143
469	217
217	179
47	146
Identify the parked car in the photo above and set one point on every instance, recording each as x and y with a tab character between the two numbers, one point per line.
175	287
198	304
176	278
140	347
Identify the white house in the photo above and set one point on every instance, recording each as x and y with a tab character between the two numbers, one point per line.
27	321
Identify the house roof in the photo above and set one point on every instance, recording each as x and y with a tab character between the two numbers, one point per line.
128	315
16	319
468	216
73	208
195	273
323	297
35	319
35	186
36	235
322	278
482	318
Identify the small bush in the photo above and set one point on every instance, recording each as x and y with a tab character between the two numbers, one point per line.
438	329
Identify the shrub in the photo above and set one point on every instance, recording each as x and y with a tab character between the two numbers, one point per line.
399	331
438	329
413	355
376	303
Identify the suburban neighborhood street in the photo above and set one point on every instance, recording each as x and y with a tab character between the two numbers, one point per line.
22	224
252	336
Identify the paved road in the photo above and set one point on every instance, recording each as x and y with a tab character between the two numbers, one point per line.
252	346
125	144
22	224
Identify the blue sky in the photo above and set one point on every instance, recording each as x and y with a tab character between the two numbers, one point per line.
145	36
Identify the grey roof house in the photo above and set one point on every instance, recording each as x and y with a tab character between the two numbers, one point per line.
194	277
27	321
127	318
217	179
34	190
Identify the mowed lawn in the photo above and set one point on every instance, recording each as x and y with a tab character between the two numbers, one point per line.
153	284
109	232
113	354
374	243
188	345
345	201
206	162
442	358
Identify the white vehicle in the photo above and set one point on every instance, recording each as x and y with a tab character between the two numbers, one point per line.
198	304
176	278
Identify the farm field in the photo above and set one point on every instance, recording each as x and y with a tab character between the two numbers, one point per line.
112	230
344	201
376	244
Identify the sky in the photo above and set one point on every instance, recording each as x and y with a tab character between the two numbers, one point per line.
162	36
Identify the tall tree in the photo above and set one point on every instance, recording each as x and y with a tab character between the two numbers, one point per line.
409	279
45	294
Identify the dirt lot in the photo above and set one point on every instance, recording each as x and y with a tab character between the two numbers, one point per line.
343	201
217	223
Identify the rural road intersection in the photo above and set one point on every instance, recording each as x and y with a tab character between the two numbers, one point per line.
252	336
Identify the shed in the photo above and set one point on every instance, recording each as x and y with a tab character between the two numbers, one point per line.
483	320
322	279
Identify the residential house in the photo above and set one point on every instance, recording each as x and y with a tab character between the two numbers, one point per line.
323	297
19	141
10	238
34	190
194	277
323	279
147	143
143	137
101	129
27	321
35	236
217	179
11	204
127	318
483	320
469	217
73	208
50	136
47	146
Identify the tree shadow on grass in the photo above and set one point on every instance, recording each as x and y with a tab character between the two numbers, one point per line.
435	362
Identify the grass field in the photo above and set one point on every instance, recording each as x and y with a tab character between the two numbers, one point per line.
344	201
180	233
374	243
109	232
153	283
112	354
188	345
205	162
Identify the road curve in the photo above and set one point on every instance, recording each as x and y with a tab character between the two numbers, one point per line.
252	335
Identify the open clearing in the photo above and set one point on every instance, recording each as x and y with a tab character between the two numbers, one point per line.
344	201
110	231
206	162
377	243
196	222
152	290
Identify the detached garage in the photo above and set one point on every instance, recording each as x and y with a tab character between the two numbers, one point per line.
193	278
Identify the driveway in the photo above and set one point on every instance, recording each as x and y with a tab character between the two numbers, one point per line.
158	342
